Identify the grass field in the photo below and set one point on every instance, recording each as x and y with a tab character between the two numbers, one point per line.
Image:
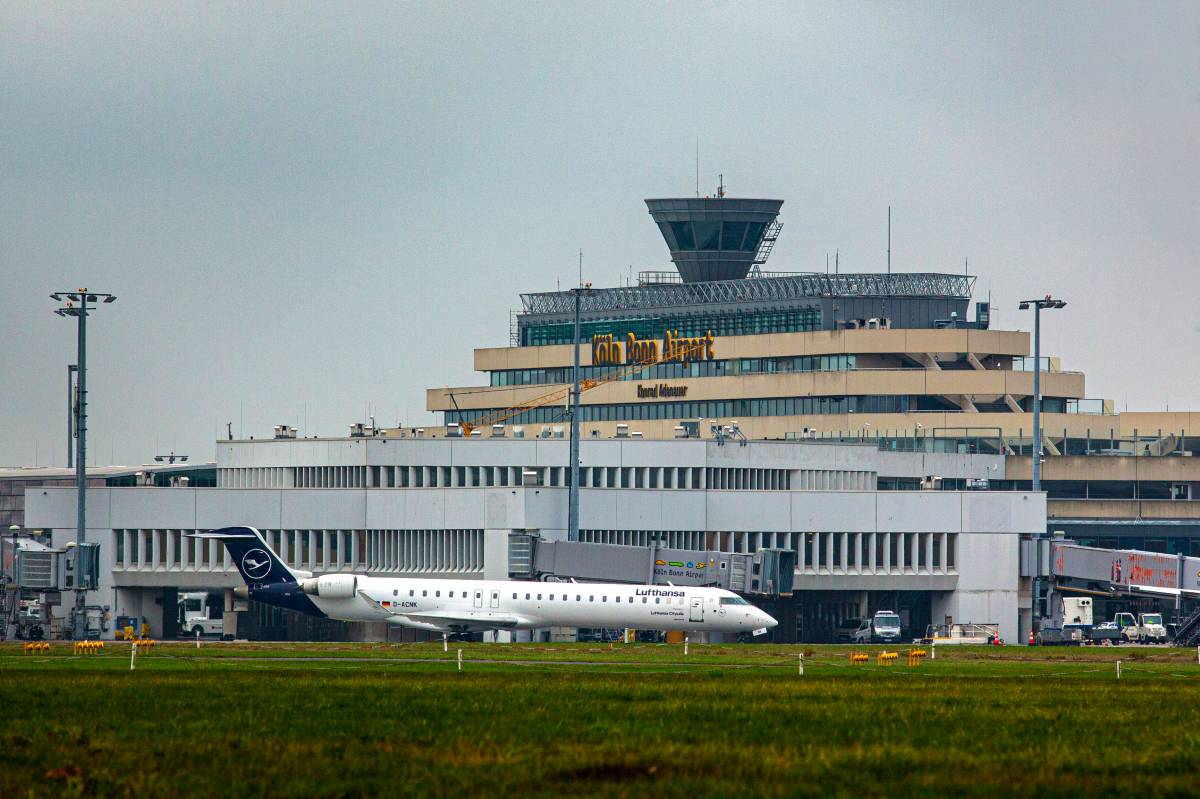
587	720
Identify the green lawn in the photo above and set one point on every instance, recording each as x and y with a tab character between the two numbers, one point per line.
575	720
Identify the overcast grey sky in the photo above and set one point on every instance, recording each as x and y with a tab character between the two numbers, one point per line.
309	210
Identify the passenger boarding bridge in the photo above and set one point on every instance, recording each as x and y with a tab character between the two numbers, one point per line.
1076	569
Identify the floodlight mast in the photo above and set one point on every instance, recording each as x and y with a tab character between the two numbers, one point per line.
78	304
1048	303
573	449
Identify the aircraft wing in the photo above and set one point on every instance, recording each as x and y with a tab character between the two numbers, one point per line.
377	609
463	621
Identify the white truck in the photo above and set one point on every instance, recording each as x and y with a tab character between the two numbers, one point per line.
1146	628
198	613
1153	629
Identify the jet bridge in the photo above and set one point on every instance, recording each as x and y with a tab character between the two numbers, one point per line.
767	573
1123	571
1076	569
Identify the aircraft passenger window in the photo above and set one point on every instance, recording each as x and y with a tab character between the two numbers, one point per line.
657	600
644	600
514	596
412	592
437	593
552	597
424	593
539	597
578	598
527	596
604	598
395	592
591	598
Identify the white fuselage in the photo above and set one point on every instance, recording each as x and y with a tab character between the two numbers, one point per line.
493	604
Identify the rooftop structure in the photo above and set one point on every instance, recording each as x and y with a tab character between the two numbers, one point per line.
716	238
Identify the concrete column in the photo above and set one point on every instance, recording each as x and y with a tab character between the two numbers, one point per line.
872	551
845	552
929	565
829	551
914	553
495	554
172	547
887	552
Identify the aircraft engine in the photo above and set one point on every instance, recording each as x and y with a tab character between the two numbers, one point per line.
332	586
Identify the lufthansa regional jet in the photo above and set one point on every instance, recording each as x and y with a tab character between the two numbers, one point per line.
461	606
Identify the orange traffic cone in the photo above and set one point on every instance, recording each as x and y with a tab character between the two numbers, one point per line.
1031	640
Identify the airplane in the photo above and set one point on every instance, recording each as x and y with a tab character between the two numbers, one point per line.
464	606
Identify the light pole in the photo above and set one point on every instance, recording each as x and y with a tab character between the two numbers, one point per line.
1048	303
78	304
573	491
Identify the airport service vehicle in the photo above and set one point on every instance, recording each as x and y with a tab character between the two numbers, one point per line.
1153	631
970	633
1105	633
462	606
197	614
844	634
1127	624
1072	627
882	628
1077	610
1066	635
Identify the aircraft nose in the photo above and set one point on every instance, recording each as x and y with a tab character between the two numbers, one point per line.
768	620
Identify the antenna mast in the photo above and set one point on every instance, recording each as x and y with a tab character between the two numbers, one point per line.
889	239
697	167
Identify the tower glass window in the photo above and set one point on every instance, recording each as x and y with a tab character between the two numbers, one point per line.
732	234
708	235
684	238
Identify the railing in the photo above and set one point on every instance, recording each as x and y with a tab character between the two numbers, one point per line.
655	277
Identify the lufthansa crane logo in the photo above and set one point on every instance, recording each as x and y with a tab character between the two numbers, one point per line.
256	563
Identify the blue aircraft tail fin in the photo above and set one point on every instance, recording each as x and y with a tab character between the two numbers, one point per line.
253	557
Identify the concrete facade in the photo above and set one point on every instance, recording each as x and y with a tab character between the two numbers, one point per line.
446	507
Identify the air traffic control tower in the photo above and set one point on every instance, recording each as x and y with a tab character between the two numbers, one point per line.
716	238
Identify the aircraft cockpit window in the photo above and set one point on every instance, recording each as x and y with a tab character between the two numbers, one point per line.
733	600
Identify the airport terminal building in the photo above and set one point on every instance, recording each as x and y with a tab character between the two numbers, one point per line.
826	444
